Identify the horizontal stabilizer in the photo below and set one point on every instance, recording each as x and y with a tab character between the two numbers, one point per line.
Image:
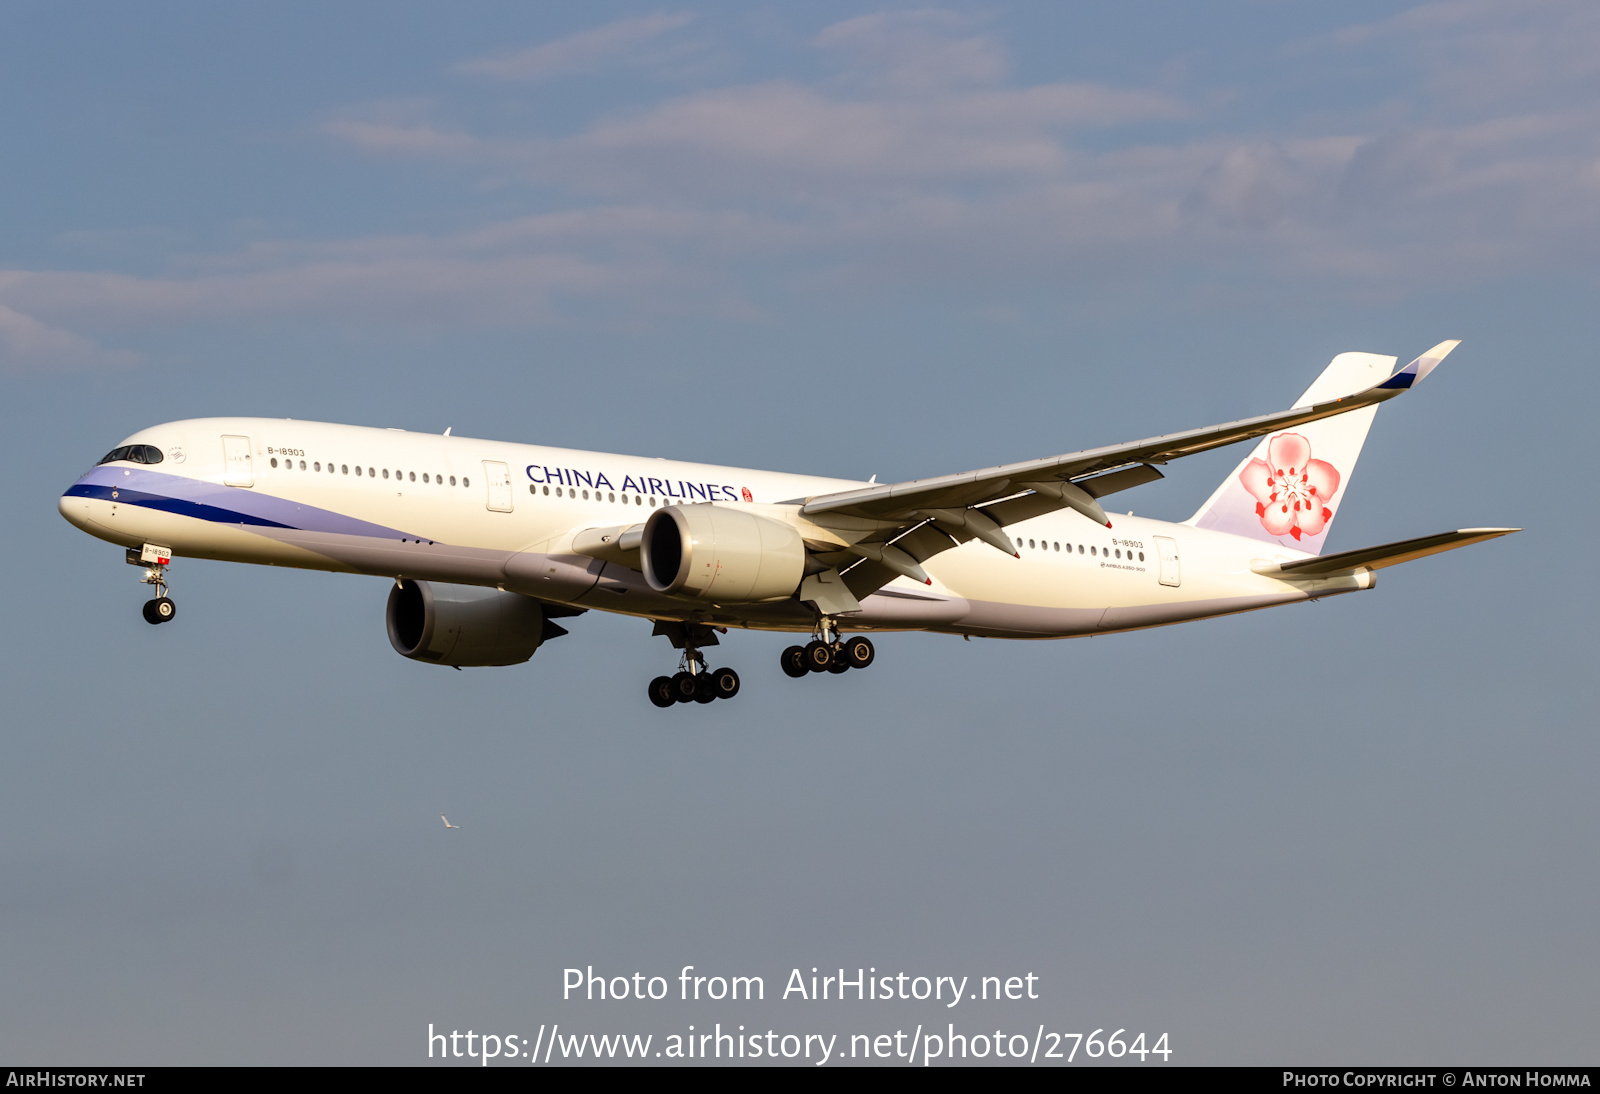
1388	554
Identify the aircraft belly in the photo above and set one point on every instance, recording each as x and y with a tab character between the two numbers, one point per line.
551	576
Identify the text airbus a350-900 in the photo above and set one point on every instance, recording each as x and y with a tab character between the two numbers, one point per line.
488	543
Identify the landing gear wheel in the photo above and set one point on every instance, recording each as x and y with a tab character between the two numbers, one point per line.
818	656
859	653
661	693
840	664
725	683
705	688
684	687
159	610
793	661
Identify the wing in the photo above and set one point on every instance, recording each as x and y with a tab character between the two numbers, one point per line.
912	521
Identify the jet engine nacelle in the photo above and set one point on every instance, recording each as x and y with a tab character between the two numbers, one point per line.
720	553
463	625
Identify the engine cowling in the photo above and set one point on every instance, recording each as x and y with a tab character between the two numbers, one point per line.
720	553
463	625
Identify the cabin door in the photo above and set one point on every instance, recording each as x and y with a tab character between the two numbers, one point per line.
1170	573
236	469
498	476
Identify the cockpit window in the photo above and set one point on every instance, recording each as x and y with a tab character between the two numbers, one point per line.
133	453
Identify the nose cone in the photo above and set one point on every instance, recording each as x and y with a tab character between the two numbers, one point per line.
74	506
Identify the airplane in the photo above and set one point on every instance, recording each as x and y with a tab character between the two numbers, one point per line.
489	543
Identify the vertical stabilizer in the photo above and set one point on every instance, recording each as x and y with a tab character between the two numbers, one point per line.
1288	490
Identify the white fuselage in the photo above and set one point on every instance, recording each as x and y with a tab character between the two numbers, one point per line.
454	509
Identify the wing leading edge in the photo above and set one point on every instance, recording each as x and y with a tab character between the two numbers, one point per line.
992	484
913	521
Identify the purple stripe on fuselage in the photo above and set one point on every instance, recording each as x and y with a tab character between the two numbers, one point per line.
265	508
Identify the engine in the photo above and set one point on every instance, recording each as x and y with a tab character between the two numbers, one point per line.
719	553
464	625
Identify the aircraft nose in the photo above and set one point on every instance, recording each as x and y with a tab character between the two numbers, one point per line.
74	506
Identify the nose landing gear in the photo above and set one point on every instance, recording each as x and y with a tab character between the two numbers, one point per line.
155	560
693	682
827	653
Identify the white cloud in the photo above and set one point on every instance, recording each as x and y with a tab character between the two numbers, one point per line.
408	140
27	343
1483	53
914	52
585	51
920	161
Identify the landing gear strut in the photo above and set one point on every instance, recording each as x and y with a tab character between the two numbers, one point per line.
693	682
827	652
155	560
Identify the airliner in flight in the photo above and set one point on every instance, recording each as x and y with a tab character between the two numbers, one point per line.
488	543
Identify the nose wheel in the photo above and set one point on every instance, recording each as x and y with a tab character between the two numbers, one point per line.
155	560
159	610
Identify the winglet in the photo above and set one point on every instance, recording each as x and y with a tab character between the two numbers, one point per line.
1413	373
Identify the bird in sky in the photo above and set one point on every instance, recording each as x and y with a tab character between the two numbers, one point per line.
447	823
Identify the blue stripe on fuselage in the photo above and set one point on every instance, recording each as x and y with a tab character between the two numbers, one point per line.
123	496
222	504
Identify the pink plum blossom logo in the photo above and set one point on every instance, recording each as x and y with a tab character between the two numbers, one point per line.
1291	489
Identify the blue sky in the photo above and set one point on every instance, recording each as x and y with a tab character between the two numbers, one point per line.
834	238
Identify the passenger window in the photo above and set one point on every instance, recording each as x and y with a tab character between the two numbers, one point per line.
558	491
1141	556
302	465
413	477
452	480
613	497
424	476
586	495
317	466
547	491
345	466
385	472
1080	548
465	481
652	503
371	474
532	489
1091	550
274	461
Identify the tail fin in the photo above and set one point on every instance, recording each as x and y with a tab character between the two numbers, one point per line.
1288	490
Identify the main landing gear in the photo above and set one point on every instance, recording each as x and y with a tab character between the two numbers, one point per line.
827	653
155	560
693	682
